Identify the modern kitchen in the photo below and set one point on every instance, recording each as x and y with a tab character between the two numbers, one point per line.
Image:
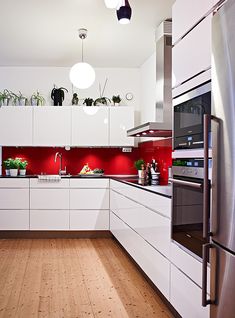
117	159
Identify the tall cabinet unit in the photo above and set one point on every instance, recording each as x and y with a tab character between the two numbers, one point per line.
16	126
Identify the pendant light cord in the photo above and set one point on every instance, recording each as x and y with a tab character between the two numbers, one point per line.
82	50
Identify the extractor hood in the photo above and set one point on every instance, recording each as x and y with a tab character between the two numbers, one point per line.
162	127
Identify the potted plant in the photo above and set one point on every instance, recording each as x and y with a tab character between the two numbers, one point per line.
22	166
102	101
37	99
139	165
88	101
6	165
20	100
116	99
14	165
5	97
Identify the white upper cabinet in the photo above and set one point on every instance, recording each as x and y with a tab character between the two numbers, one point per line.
52	126
90	126
121	119
16	126
192	54
186	14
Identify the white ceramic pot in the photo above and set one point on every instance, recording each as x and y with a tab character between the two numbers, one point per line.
7	172
13	172
5	102
141	174
33	102
22	101
22	172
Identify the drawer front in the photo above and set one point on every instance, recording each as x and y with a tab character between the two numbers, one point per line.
47	199
89	199
89	220
186	296
14	199
91	183
49	220
156	267
153	201
153	227
14	220
14	183
36	183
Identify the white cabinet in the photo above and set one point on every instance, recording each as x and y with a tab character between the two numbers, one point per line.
88	199
14	199
121	119
52	126
154	228
14	220
49	199
156	267
186	14
49	220
16	126
90	126
90	183
89	220
192	54
186	296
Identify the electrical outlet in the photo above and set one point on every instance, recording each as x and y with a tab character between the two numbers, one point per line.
126	149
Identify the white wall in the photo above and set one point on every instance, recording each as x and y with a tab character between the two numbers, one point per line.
148	89
31	79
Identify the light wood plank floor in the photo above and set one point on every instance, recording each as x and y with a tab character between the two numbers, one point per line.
73	278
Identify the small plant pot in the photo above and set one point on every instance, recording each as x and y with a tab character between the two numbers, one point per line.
7	172
5	102
34	102
141	174
22	172
22	101
13	172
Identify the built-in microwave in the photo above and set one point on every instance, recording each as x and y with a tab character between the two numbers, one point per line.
189	109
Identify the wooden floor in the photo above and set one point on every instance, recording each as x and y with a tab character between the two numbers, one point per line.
73	278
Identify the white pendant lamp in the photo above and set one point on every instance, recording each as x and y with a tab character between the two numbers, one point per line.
112	4
82	75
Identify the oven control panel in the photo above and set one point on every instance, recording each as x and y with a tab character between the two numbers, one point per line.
192	168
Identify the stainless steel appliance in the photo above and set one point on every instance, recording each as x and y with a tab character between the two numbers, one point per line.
187	204
222	246
189	110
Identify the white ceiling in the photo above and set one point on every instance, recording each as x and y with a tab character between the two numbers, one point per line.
44	32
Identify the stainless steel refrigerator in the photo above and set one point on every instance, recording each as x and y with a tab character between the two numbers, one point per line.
222	247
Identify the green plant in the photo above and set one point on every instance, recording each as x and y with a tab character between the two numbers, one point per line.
14	163
23	164
116	99
88	101
138	164
102	100
40	100
6	163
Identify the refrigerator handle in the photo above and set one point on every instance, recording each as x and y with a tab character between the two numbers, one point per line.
206	207
205	257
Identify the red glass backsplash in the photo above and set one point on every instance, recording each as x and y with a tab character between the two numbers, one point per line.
112	160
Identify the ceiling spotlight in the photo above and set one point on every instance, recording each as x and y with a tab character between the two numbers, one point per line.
124	13
82	75
112	4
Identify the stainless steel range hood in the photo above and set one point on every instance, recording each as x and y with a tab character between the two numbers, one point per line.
162	127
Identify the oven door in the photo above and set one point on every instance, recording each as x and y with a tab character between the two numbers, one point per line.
187	213
189	110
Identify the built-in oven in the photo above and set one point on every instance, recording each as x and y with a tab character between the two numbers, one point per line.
189	109
188	217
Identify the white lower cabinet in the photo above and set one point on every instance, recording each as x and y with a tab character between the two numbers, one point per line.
186	296
14	220
89	199
49	220
47	199
156	266
89	220
14	199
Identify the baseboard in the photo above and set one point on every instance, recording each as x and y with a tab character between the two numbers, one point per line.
54	234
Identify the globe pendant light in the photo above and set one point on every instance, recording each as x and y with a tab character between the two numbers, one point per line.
124	13
112	4
82	75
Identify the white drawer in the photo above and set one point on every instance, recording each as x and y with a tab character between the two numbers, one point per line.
153	201
188	264
89	220
14	183
89	199
36	183
156	267
49	220
47	199
14	199
89	183
186	296
153	227
14	220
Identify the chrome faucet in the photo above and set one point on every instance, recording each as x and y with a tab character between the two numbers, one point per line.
58	154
